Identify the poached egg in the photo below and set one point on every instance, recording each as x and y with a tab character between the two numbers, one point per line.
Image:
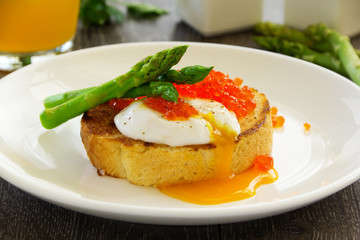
137	121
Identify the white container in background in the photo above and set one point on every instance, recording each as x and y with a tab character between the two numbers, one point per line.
341	15
213	17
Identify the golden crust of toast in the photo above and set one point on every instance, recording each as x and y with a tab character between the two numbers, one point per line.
150	164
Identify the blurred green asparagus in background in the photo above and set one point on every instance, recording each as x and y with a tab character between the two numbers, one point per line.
317	44
100	12
341	47
301	51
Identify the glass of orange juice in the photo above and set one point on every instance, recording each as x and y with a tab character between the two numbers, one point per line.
33	28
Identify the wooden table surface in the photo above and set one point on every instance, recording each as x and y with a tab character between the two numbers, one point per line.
23	216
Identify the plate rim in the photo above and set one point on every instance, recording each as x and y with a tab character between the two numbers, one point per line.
222	212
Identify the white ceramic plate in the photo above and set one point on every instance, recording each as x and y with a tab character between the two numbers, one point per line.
52	164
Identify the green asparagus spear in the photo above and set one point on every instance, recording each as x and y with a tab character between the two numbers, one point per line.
146	70
295	35
341	46
151	89
186	75
291	34
58	99
301	51
278	30
154	89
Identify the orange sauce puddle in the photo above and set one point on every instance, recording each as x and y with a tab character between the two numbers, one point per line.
224	186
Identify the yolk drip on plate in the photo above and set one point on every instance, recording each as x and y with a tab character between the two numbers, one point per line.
225	186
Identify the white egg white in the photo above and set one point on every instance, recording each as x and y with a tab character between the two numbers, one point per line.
137	121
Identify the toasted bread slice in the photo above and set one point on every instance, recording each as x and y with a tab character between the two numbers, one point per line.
150	164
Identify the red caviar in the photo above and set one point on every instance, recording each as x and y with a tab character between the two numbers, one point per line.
277	121
264	162
220	87
216	86
171	110
273	111
307	126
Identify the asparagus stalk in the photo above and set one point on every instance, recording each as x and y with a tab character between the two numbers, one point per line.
341	46
301	51
295	35
154	89
144	71
186	75
61	98
291	34
151	89
278	30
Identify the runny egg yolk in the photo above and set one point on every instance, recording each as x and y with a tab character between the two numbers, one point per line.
225	186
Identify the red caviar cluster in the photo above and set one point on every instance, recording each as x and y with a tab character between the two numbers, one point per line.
220	87
171	110
277	121
216	86
264	162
